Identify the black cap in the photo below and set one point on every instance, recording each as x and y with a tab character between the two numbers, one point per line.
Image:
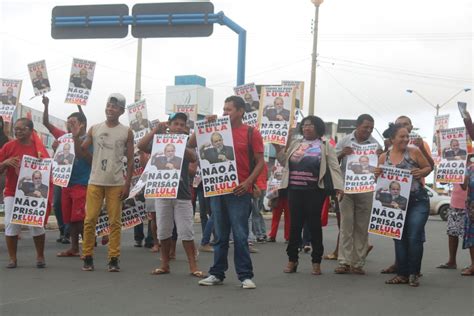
179	115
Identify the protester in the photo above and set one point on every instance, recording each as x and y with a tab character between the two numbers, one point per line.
73	197
258	223
419	143
179	211
111	142
409	250
3	140
456	219
232	211
355	208
11	154
307	161
468	240
279	205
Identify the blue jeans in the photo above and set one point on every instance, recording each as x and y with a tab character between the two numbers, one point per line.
409	250
258	223
231	212
206	234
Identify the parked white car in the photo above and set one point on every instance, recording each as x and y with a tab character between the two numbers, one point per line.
439	204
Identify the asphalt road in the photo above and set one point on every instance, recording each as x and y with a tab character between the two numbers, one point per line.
63	289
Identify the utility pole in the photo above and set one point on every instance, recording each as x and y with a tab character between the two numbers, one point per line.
138	77
314	55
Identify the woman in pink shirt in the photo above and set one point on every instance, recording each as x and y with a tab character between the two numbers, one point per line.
456	218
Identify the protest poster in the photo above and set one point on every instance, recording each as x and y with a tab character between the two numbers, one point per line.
360	167
6	111
412	137
299	97
138	184
216	156
165	166
31	196
389	206
273	183
133	214
137	168
39	77
10	91
452	167
191	111
299	91
440	122
276	113
250	95
138	119
63	160
80	81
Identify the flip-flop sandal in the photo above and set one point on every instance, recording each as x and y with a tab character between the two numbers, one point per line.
397	280
447	266
40	264
198	274
67	254
467	272
159	271
330	256
343	269
11	265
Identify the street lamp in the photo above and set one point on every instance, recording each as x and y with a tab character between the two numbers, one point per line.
437	106
312	87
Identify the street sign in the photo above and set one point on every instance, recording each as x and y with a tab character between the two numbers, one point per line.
98	26
171	25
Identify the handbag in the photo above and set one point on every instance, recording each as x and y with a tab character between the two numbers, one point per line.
327	179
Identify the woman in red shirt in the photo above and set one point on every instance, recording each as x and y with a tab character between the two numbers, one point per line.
11	154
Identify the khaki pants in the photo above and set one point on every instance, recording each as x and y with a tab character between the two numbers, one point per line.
94	199
354	238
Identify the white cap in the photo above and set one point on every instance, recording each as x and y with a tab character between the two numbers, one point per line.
120	99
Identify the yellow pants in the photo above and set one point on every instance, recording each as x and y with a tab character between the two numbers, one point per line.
94	200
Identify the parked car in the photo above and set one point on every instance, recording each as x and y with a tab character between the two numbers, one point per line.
439	204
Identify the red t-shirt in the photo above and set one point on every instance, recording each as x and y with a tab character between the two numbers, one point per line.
14	149
240	137
262	178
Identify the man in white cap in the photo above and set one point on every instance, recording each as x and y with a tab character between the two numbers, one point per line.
111	142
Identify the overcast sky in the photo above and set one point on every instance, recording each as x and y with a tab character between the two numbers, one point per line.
370	52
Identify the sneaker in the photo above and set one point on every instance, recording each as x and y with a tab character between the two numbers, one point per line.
88	264
211	280
113	265
252	248
261	240
60	239
248	284
206	248
271	239
138	243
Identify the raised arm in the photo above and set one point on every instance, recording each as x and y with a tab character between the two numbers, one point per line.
46	123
